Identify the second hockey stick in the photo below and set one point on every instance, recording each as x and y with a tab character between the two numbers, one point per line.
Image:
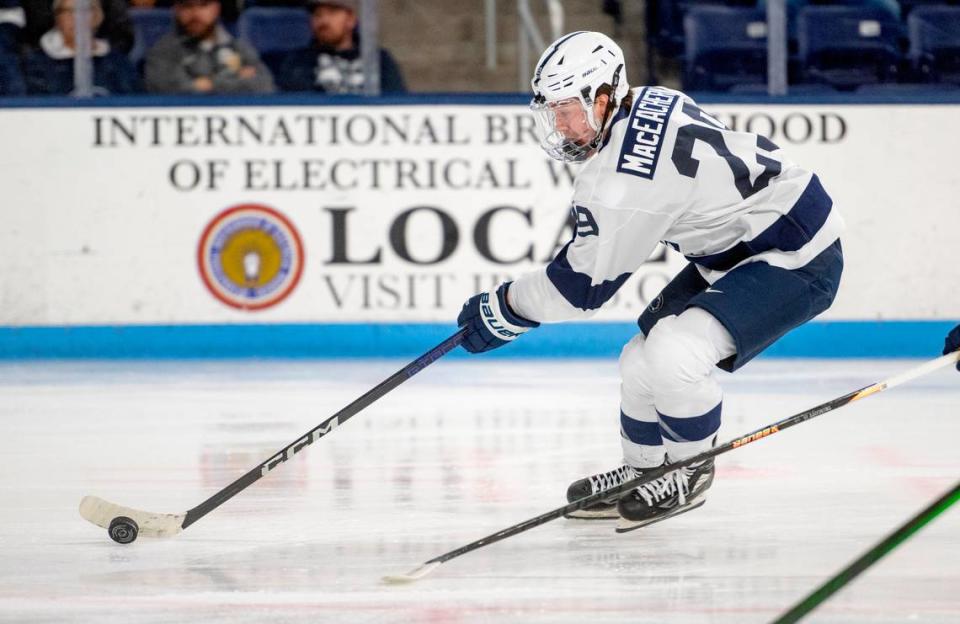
102	513
429	566
842	578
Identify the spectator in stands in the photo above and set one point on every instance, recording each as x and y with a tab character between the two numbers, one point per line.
49	68
11	23
332	63
202	57
116	27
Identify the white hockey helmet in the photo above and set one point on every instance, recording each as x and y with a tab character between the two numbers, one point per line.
570	74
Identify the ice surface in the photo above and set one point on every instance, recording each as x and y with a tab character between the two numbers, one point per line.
462	450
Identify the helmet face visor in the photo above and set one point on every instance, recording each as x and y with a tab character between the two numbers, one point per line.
566	129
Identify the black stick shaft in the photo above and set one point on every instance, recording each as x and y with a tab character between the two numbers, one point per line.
659	472
325	427
870	557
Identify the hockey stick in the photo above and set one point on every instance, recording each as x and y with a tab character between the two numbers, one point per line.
870	557
101	512
429	566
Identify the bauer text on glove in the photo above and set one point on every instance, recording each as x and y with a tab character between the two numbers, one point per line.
490	322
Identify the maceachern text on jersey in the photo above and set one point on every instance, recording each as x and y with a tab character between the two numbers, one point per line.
644	137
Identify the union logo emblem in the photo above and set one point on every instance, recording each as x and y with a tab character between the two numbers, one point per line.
250	257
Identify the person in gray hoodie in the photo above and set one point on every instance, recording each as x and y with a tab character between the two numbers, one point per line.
201	57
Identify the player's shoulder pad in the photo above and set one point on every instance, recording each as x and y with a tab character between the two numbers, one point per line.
643	131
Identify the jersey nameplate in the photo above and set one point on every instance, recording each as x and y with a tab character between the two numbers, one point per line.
647	128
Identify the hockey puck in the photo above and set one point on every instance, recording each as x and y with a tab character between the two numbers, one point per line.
123	530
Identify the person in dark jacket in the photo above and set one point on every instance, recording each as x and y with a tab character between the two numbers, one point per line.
332	63
200	56
48	69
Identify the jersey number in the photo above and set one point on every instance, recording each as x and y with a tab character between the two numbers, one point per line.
711	133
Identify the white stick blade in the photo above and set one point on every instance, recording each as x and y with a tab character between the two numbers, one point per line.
100	512
413	575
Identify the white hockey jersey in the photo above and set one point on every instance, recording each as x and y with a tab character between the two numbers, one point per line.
670	172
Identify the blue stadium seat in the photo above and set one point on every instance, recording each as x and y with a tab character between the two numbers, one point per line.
906	88
724	47
664	22
11	74
249	4
798	89
273	30
906	6
847	46
891	6
795	6
935	43
148	26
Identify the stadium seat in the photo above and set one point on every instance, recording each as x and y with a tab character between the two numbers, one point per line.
274	31
906	88
11	74
664	22
249	4
724	47
907	6
891	6
847	46
798	89
148	26
935	43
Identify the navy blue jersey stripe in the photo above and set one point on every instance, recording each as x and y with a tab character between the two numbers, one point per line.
691	429
577	288
788	233
640	432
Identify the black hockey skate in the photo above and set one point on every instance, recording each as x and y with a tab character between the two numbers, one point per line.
597	483
675	493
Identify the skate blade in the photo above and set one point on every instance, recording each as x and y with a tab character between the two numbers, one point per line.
583	514
625	526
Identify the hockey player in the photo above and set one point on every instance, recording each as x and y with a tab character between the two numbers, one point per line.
760	234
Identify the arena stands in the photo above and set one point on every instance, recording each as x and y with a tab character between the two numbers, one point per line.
698	45
844	45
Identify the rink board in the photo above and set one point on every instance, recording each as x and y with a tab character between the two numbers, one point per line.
364	227
817	339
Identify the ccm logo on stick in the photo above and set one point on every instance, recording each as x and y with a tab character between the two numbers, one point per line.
298	446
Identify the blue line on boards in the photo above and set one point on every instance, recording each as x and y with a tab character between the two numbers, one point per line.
818	339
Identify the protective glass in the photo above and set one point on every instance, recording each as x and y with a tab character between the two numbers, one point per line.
566	128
